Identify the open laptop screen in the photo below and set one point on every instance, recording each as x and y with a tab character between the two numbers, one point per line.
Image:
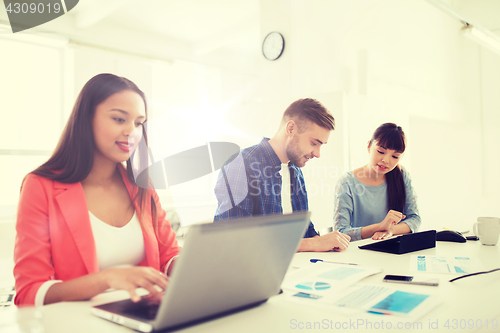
225	266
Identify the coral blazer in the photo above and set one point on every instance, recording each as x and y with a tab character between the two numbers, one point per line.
54	238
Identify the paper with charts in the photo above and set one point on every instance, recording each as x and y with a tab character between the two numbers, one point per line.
379	299
326	277
448	264
334	287
319	281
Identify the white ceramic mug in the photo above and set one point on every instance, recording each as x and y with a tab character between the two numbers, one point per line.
487	229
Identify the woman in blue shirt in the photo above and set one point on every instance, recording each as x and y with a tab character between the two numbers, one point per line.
377	200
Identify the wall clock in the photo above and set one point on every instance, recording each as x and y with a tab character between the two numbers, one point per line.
273	45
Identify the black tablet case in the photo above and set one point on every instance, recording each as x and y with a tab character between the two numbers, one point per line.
404	243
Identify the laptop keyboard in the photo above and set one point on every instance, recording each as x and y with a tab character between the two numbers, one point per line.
147	308
6	296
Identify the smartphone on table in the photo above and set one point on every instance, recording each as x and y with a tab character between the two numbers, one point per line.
411	280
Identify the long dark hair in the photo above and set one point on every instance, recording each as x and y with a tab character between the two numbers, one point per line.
72	160
391	136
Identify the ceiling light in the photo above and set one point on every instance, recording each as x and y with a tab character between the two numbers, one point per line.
483	37
471	29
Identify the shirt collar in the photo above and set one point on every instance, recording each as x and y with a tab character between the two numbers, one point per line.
275	161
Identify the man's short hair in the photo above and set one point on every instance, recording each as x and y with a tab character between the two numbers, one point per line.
306	110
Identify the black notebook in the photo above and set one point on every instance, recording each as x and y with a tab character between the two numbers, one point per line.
404	243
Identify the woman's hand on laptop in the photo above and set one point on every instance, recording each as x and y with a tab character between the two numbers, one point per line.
130	278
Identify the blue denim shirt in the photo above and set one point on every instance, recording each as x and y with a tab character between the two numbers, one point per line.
250	184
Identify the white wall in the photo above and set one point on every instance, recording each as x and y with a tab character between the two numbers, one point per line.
490	138
403	62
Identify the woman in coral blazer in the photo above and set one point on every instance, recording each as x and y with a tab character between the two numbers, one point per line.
55	253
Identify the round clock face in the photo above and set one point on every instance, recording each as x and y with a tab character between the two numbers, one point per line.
273	46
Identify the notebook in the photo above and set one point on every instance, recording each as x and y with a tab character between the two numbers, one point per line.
223	267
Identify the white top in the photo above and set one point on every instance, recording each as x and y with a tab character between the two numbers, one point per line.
286	199
114	247
118	246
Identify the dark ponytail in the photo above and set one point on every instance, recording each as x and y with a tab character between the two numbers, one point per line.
396	191
391	136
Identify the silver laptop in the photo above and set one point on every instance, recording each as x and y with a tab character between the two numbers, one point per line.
223	267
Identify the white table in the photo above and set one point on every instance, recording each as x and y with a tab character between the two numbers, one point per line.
466	303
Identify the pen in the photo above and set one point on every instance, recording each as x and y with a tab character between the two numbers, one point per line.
379	313
332	262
